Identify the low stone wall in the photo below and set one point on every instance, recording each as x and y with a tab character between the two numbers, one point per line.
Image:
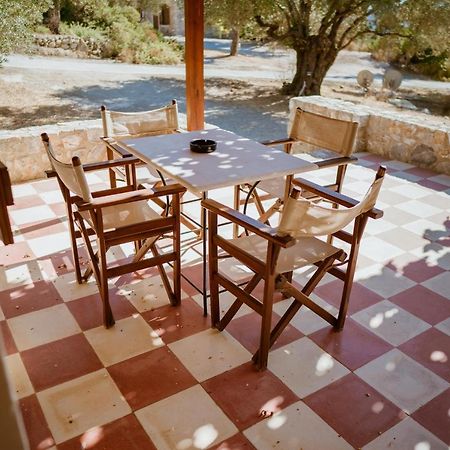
62	44
24	155
424	142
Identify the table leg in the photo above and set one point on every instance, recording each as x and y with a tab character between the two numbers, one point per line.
205	256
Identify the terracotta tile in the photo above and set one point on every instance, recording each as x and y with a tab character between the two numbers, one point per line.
62	262
420	271
247	395
360	297
27	201
122	434
423	303
369	415
346	345
246	330
20	380
28	298
431	349
423	173
18	253
236	442
135	277
42	228
174	323
60	361
88	311
434	416
8	340
150	377
259	292
38	432
433	185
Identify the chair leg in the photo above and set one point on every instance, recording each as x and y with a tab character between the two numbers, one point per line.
213	270
108	318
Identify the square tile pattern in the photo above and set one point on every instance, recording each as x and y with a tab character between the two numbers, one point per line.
162	379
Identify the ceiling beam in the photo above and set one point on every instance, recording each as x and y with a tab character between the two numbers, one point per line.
195	90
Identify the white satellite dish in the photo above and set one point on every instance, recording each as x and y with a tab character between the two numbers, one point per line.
392	79
365	79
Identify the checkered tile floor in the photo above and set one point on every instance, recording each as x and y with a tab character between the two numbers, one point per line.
161	378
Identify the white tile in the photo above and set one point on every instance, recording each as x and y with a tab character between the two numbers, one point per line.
382	280
424	228
378	249
397	165
34	214
78	405
189	419
127	338
69	289
439	284
52	197
43	326
408	384
210	353
12	277
390	322
407	434
18	376
294	428
44	246
444	326
23	190
410	191
304	367
418	208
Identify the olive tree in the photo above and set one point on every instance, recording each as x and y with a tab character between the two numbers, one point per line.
16	19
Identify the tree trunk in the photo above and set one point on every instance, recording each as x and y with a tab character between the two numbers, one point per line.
234	48
52	17
312	64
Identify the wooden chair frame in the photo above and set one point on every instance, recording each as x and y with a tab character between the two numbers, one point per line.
6	199
144	234
282	282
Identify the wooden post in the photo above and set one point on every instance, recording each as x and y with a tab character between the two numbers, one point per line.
195	95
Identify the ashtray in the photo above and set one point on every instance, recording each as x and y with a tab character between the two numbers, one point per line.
203	145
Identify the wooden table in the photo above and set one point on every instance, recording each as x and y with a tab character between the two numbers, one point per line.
237	160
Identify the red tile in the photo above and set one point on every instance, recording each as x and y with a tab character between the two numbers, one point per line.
420	271
195	276
373	158
59	209
174	323
28	298
423	303
246	329
236	442
247	395
431	349
435	416
20	252
419	172
123	434
150	377
135	277
360	297
27	201
432	185
8	340
354	409
39	435
62	262
42	228
88	311
60	361
346	345
258	292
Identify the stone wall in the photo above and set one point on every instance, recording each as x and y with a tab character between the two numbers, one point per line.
60	45
422	141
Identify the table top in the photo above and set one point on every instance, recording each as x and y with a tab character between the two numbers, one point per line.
237	160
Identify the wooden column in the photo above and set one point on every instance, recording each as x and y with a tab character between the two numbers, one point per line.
194	33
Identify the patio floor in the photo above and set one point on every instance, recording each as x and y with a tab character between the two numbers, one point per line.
161	378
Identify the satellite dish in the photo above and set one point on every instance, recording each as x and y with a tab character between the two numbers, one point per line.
365	79
392	79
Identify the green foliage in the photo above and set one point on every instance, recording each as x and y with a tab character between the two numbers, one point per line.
83	31
17	18
118	24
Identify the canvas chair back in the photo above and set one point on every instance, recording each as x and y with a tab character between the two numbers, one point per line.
158	121
324	132
71	175
303	218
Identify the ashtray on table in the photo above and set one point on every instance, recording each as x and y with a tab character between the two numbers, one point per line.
203	145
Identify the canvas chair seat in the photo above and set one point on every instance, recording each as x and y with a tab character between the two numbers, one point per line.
124	215
306	251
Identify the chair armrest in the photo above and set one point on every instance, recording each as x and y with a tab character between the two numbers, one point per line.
332	162
114	145
131	196
274	142
333	196
248	223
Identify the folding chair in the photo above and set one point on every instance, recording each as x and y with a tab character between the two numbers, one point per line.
117	216
272	254
331	142
119	125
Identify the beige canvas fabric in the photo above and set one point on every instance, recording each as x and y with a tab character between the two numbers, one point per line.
302	218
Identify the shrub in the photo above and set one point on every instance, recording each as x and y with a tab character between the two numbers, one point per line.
84	32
